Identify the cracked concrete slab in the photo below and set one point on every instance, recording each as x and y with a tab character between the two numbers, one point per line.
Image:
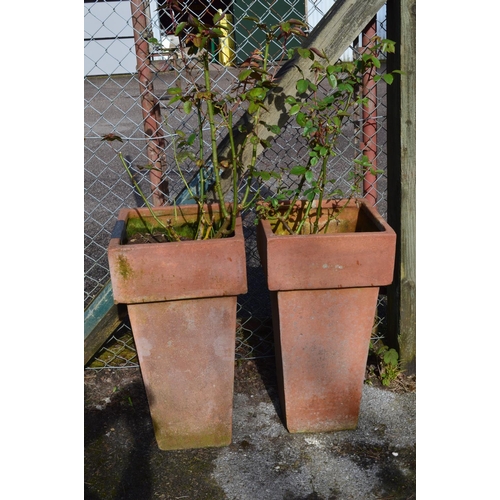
264	461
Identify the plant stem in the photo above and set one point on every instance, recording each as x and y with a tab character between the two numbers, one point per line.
201	201
234	162
213	135
296	197
305	216
322	183
172	235
253	161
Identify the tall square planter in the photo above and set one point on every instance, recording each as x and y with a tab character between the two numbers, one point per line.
324	291
181	300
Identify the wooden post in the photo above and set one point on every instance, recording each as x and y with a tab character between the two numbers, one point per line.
102	318
401	163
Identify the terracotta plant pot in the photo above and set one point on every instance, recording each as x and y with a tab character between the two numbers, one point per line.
181	300
324	290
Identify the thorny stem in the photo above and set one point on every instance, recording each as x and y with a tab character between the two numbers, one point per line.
199	199
172	235
303	219
234	211
322	181
296	197
322	175
253	161
213	135
285	223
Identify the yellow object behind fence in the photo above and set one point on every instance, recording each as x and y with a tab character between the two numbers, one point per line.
227	54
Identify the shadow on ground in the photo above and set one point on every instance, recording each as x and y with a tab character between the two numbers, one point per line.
264	461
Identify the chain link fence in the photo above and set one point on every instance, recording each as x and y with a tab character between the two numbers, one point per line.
113	105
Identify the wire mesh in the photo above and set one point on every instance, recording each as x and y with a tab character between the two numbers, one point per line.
113	94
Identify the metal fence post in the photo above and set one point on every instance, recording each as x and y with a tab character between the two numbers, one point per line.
149	102
369	145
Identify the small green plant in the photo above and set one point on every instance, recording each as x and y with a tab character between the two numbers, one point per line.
387	359
320	115
253	82
215	111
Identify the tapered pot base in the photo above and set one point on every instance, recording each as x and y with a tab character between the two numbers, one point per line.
181	298
186	355
322	339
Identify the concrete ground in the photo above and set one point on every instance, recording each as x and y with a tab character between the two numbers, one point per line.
264	461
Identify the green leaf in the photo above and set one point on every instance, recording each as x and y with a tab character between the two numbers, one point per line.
217	32
310	194
364	161
273	128
285	27
179	28
388	46
244	74
332	80
295	109
375	61
388	78
175	99
317	67
391	357
329	99
257	93
187	107
301	119
309	130
346	86
302	86
309	176
253	107
198	41
191	139
298	170
305	53
217	17
185	155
